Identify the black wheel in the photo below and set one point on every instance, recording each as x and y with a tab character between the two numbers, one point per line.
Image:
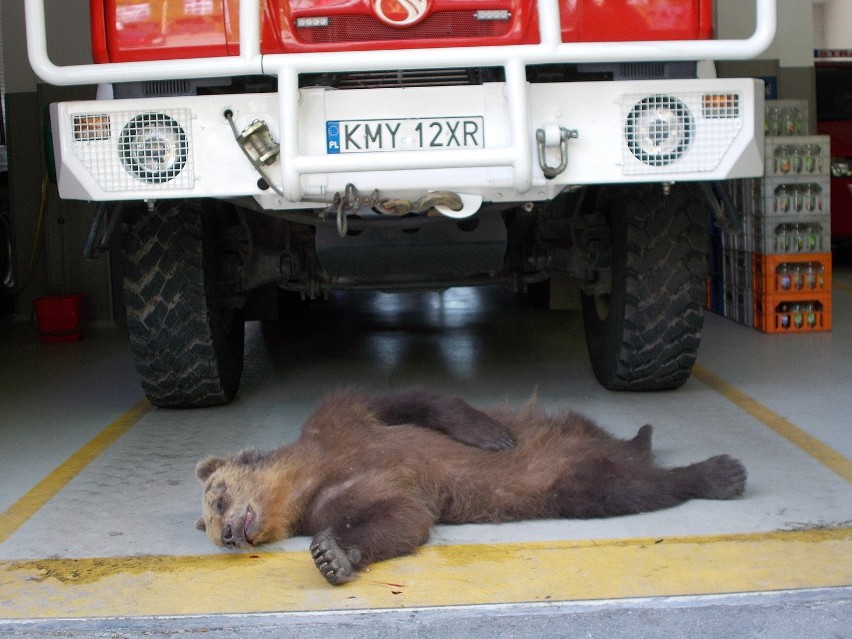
187	345
644	334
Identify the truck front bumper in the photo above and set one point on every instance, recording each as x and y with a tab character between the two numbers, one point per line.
493	142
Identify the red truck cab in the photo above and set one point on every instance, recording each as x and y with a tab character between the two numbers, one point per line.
129	30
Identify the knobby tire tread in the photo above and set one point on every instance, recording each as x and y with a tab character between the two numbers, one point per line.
651	339
181	353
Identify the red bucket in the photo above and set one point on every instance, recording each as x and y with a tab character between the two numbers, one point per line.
59	318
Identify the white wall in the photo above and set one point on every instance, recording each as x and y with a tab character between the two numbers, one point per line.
68	38
833	24
793	45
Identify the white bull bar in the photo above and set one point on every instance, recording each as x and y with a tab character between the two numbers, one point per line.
287	68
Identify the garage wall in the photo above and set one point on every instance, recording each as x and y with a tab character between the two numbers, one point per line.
791	52
58	266
68	37
832	24
793	46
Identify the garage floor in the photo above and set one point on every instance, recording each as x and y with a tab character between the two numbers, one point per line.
98	498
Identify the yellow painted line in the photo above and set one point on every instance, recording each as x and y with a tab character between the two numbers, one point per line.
18	513
843	286
817	449
233	583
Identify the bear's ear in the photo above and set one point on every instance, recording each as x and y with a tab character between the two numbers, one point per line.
200	525
207	467
249	456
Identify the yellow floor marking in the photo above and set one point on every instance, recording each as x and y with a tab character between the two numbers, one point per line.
18	513
843	286
820	451
436	576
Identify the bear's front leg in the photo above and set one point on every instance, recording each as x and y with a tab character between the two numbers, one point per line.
354	529
334	563
444	413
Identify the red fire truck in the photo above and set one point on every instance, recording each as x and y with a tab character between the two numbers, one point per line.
247	150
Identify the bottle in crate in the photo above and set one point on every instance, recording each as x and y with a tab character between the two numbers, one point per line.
786	118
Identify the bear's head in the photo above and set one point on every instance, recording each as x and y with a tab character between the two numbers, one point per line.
232	506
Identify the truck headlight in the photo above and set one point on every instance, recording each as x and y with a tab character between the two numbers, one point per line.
659	129
153	147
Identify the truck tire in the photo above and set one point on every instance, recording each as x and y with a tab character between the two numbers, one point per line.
644	335
188	347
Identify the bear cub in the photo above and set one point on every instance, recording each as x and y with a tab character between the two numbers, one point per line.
370	475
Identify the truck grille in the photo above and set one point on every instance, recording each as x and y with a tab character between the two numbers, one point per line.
400	78
453	25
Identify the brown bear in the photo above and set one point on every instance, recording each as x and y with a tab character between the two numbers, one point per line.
369	476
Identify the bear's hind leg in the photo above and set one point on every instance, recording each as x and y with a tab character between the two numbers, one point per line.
640	446
601	487
720	477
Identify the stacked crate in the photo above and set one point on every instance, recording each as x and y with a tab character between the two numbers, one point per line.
737	250
776	269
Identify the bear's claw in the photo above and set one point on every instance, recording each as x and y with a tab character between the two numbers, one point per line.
334	563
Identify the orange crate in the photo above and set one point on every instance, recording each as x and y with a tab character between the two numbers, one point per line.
791	276
808	314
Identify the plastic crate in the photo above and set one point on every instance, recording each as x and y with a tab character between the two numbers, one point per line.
745	195
808	314
786	117
795	195
739	305
791	276
805	155
715	295
741	240
737	269
791	235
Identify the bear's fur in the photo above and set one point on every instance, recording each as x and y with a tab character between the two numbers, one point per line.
369	476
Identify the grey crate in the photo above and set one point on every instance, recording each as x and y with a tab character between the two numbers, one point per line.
786	117
807	155
745	194
739	305
741	239
795	195
745	197
736	269
792	234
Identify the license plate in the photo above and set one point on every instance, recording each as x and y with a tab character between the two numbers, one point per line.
406	134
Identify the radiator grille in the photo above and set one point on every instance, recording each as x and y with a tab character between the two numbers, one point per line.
405	78
455	25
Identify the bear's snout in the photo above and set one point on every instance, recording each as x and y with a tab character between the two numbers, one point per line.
228	538
239	531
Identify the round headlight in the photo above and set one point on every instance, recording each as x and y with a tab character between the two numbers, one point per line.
153	147
659	129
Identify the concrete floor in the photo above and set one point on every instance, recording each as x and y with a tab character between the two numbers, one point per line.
98	499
